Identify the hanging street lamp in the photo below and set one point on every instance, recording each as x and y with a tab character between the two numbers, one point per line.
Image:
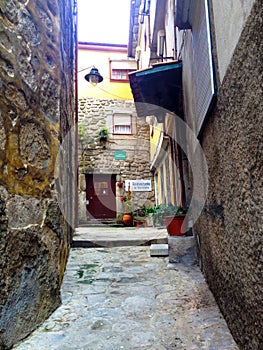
94	76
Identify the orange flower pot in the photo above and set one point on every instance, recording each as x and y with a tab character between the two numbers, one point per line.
127	219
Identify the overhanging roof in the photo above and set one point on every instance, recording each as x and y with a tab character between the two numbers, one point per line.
159	86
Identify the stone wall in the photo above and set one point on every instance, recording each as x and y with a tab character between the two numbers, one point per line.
36	110
97	157
230	228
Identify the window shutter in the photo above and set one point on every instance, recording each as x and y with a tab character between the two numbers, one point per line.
122	119
203	62
122	124
124	64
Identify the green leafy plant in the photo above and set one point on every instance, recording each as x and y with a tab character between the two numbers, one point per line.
150	210
119	218
103	133
81	133
182	210
128	207
139	215
126	197
158	216
139	218
163	210
127	203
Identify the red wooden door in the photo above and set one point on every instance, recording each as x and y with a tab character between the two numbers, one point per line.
101	196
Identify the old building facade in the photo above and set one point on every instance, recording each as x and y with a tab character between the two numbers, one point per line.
218	48
37	106
108	164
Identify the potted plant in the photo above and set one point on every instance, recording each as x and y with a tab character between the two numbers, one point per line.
139	221
103	133
127	217
158	215
139	217
174	218
149	213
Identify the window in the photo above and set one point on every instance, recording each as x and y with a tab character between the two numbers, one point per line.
122	124
119	74
119	70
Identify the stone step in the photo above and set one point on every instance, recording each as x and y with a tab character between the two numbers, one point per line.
99	223
159	250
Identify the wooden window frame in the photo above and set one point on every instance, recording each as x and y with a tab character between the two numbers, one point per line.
126	80
122	69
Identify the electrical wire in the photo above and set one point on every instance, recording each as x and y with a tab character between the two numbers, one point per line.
107	92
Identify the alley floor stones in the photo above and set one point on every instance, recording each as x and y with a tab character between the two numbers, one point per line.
122	298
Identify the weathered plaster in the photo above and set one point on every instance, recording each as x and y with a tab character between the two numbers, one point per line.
229	19
230	228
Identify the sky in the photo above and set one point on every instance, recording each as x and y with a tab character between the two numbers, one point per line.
103	21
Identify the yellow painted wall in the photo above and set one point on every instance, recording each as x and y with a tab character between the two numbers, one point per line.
99	57
154	139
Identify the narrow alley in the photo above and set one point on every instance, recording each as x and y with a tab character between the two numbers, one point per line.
145	117
123	298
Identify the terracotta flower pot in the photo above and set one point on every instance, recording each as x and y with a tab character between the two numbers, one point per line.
127	219
138	224
174	225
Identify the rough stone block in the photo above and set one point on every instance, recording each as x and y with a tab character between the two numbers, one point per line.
37	112
159	250
182	249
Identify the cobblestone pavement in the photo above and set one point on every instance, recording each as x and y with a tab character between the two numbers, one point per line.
121	298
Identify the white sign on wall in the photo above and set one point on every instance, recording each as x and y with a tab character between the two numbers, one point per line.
138	185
